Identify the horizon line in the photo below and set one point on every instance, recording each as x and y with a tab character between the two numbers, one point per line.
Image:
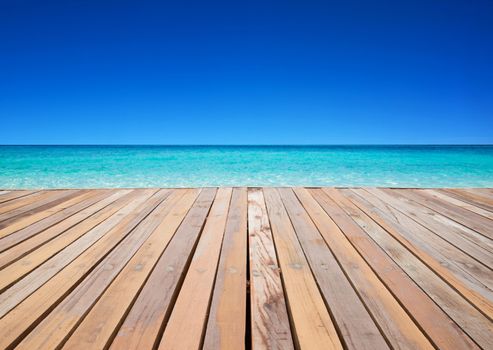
242	145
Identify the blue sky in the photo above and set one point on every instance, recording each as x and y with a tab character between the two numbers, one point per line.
253	72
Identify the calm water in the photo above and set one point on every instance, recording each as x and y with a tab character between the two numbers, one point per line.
183	166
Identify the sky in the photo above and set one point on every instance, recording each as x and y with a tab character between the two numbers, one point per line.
246	72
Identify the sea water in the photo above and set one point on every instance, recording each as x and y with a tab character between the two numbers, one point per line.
193	166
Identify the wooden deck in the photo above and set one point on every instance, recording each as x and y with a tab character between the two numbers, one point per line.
270	268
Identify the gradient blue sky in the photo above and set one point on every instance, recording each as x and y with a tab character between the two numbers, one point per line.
252	72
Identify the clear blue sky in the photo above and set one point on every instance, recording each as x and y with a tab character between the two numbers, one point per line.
246	72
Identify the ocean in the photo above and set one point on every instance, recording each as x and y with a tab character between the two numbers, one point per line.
28	167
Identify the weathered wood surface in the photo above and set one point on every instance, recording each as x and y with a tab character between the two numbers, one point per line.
240	268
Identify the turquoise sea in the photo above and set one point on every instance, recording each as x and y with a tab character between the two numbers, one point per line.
192	166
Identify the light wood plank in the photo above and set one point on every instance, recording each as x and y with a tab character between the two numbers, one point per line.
484	191
361	268
54	330
186	324
15	271
98	327
474	274
49	200
15	325
445	333
460	203
463	216
270	328
143	326
440	265
11	195
483	194
227	315
101	239
22	204
71	227
355	324
313	326
470	242
46	218
399	329
472	198
78	205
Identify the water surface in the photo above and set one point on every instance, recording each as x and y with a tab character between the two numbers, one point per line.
192	166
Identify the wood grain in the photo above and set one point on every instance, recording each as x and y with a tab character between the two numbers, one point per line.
240	268
227	315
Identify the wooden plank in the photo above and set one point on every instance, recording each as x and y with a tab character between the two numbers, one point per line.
227	315
394	322
40	219
99	326
18	322
23	203
460	203
486	194
440	265
485	191
49	199
70	228
270	328
357	328
461	237
185	326
463	216
444	332
432	320
432	216
53	331
144	323
313	326
16	293
11	195
465	268
384	270
17	270
473	198
470	271
68	209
